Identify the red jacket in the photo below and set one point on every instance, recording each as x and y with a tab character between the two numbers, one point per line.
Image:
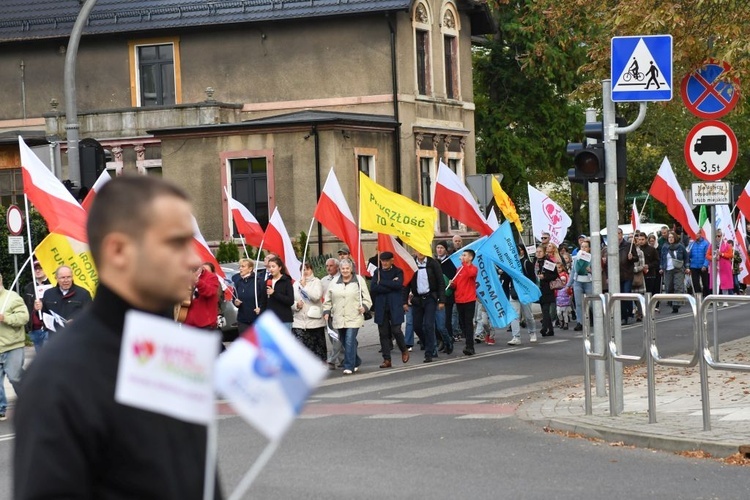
204	307
465	284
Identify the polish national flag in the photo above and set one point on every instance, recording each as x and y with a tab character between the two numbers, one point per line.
401	258
51	198
492	220
666	189
247	225
277	241
205	254
635	219
453	197
333	212
104	178
743	202
740	235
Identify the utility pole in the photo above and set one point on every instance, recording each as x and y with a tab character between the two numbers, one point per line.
71	104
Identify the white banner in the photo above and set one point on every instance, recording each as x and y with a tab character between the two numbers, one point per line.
547	217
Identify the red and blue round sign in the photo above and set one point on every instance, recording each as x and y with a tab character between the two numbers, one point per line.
707	93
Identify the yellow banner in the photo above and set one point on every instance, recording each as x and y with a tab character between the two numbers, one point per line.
505	204
57	250
384	211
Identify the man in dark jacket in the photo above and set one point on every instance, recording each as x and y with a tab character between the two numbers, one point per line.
444	317
73	440
31	291
628	258
67	299
428	295
386	290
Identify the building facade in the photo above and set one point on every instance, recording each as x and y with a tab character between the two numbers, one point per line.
260	98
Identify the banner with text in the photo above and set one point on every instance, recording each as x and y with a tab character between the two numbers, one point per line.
386	212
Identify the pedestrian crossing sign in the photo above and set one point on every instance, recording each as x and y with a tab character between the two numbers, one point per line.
642	68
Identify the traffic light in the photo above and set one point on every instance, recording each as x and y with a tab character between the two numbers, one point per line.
589	159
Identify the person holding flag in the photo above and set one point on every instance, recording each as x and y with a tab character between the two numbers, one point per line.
386	289
204	302
427	289
250	297
699	263
464	284
66	299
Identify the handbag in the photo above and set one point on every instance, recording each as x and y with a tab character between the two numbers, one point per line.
556	284
315	312
638	279
677	263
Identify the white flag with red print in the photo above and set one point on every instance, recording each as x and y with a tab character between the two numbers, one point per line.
333	212
454	198
547	217
104	178
666	189
743	202
401	258
247	225
277	241
51	198
635	219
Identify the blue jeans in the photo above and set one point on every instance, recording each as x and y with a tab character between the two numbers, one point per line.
38	337
442	328
11	364
348	337
579	290
409	328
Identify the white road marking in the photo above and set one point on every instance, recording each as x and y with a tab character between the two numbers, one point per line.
440	389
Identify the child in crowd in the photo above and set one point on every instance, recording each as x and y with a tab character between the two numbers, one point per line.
562	298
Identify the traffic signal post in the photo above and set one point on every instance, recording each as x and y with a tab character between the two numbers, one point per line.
610	134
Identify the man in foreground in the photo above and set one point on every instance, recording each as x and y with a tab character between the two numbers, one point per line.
72	439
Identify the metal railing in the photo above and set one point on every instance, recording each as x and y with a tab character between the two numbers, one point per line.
700	354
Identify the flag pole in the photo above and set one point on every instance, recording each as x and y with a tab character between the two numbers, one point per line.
31	250
209	482
307	244
242	240
5	303
648	195
257	263
250	476
359	249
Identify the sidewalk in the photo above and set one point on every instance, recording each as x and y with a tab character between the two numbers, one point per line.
679	416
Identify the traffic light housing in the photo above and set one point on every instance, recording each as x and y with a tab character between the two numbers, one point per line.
589	159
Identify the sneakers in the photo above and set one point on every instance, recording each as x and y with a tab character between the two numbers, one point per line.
516	341
532	338
578	327
725	304
490	340
3	417
348	372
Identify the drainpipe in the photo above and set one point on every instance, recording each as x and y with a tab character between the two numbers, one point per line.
318	189
394	86
71	105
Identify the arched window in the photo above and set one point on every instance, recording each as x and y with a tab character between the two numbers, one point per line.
449	28
422	23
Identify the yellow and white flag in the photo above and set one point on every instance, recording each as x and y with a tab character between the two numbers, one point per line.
386	212
505	204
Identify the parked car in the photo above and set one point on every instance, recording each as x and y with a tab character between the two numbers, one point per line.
227	308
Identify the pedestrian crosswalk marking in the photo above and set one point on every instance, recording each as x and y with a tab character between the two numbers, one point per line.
393	384
439	389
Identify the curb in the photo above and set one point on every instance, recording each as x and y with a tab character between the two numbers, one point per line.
639	439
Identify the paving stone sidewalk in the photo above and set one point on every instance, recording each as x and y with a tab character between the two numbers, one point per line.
679	425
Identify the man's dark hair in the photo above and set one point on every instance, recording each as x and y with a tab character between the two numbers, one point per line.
470	252
124	205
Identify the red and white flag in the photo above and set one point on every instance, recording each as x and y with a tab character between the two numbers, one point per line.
401	258
454	198
206	255
666	189
635	218
277	241
743	202
492	220
247	225
104	178
51	198
333	212
740	235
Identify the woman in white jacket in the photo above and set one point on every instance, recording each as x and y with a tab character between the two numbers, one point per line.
308	324
347	300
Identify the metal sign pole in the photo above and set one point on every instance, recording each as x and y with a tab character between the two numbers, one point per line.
714	276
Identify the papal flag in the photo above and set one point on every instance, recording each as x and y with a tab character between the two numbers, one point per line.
505	204
386	212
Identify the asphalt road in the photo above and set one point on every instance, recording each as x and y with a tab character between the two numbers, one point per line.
447	430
